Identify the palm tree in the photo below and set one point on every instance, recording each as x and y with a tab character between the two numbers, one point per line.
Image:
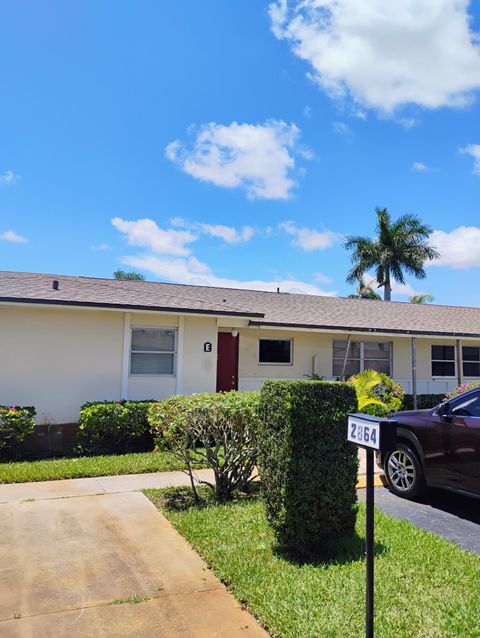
365	291
399	246
422	297
128	276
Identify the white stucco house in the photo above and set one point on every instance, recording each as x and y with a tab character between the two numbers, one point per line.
66	340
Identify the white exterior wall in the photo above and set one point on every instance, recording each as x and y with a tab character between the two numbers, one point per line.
313	352
56	359
199	367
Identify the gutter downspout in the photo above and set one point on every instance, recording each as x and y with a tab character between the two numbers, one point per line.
414	372
459	357
346	356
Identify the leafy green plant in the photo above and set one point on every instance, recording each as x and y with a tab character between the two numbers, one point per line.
462	388
377	394
213	429
112	426
16	423
308	470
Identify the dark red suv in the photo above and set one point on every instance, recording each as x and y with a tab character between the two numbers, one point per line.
437	448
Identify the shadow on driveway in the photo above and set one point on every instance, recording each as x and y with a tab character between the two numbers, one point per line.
450	515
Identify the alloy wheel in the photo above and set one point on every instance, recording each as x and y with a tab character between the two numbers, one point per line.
401	471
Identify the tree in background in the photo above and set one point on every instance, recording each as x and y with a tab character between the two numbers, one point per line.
365	291
128	276
398	247
422	297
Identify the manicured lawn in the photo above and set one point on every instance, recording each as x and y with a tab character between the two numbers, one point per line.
425	586
87	466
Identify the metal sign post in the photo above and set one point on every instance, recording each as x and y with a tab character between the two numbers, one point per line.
372	434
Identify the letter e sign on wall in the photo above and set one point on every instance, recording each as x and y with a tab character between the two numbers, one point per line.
207	346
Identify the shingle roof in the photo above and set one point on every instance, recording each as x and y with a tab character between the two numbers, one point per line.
262	308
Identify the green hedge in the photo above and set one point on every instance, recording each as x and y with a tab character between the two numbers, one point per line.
307	468
16	422
114	427
424	401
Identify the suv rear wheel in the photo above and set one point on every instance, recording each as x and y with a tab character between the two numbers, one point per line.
404	473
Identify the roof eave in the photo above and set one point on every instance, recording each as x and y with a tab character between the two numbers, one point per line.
367	330
129	307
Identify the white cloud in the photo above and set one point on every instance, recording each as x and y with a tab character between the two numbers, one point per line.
227	233
341	128
258	158
194	272
100	247
146	233
474	151
9	178
324	279
309	239
168	258
420	167
10	235
457	248
385	55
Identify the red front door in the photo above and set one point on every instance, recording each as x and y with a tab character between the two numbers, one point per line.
227	362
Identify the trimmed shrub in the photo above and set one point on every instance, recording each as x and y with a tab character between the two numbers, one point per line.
377	394
424	401
308	469
463	388
213	429
113	427
16	422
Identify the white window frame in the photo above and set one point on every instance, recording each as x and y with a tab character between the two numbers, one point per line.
467	376
267	363
173	329
362	355
454	361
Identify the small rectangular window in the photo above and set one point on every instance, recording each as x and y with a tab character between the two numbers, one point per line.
276	351
443	361
152	351
471	361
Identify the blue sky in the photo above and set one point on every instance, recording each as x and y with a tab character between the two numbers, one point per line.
238	143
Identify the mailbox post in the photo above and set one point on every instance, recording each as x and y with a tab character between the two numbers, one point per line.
380	435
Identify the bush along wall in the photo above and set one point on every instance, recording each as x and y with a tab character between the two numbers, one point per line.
114	427
307	468
16	422
424	401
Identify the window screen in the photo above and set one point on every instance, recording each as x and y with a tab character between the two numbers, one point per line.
362	355
443	361
152	351
275	351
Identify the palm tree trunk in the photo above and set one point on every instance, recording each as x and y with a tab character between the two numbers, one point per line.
387	291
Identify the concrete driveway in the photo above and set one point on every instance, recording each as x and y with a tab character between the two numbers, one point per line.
78	565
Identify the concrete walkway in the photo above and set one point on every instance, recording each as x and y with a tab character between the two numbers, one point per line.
74	553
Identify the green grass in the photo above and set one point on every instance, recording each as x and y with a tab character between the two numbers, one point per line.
131	600
66	468
425	586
